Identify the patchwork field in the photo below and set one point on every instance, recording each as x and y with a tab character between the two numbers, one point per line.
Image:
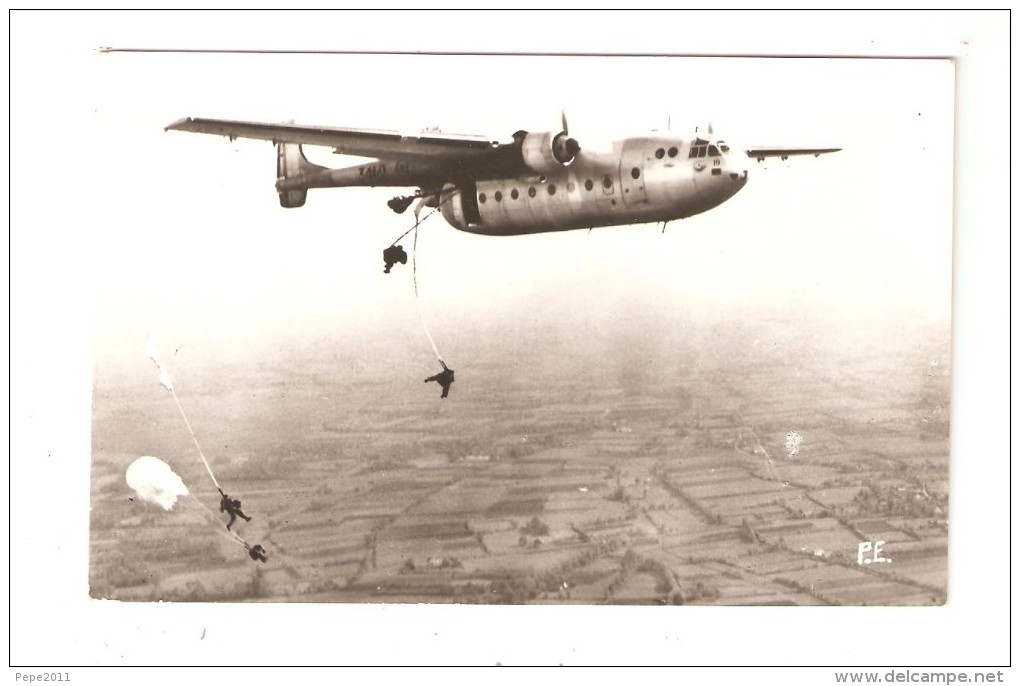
576	482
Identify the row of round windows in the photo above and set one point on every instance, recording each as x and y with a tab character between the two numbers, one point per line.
607	183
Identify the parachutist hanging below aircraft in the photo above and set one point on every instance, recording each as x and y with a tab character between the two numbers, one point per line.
392	255
534	182
232	507
443	378
400	203
257	553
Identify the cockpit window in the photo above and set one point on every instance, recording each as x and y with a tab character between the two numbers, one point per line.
703	149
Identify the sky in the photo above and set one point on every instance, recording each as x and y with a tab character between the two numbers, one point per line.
119	229
195	248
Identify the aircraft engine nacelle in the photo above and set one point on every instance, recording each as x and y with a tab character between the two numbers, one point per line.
547	152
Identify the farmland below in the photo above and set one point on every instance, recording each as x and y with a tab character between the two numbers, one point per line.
679	462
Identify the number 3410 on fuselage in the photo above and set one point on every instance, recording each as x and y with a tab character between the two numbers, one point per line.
534	183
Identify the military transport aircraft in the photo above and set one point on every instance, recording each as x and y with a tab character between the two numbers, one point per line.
533	183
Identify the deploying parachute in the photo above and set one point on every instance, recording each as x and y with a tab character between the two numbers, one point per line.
155	482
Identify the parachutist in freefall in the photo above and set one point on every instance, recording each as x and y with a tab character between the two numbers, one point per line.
392	255
257	553
232	507
443	378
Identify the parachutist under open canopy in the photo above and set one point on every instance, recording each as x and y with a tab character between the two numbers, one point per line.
443	378
392	255
257	553
232	507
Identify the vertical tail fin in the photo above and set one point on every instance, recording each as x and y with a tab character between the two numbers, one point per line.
291	165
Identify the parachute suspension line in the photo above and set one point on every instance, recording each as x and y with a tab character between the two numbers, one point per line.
417	298
197	446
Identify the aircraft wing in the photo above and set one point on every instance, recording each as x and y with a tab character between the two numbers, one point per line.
361	142
762	152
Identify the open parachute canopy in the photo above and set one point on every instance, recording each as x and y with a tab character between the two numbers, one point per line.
155	482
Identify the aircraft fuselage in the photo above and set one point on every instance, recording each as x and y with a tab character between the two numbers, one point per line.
641	180
638	182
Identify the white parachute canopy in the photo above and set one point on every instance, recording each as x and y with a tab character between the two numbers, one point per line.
155	482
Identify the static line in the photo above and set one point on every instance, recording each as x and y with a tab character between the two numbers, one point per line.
200	453
417	298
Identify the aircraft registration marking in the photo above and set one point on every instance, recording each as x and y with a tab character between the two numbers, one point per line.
375	170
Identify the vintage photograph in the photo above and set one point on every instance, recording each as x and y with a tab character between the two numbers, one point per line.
522	329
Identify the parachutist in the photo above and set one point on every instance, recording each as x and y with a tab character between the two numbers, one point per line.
400	203
232	507
257	553
443	378
392	255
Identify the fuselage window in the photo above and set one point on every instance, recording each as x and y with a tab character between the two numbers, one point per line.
552	188
713	151
514	194
702	150
607	181
498	196
635	173
588	185
481	197
673	151
531	192
659	153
